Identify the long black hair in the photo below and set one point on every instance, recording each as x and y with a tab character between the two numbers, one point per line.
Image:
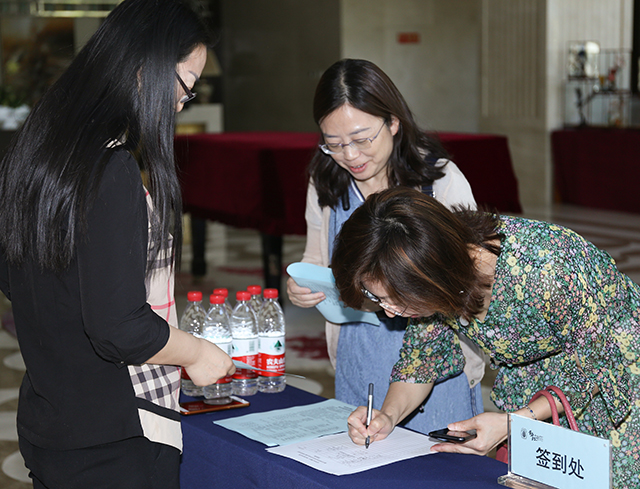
364	86
121	86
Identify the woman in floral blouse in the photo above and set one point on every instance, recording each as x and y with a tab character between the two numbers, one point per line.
546	305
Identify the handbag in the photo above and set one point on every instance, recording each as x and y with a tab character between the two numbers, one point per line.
502	453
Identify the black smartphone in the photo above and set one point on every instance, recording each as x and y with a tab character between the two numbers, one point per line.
454	436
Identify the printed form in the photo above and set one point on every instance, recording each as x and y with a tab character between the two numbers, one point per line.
338	455
291	425
315	435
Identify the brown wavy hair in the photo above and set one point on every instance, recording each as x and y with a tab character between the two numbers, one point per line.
417	250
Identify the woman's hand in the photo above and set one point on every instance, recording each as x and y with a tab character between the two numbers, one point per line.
491	430
302	296
402	399
379	428
204	361
210	364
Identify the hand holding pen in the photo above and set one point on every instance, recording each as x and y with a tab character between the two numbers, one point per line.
365	420
369	413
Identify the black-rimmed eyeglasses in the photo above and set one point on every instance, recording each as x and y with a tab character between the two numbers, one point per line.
358	144
189	95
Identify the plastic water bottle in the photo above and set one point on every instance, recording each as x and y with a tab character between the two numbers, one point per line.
271	350
224	292
256	298
245	345
217	330
192	321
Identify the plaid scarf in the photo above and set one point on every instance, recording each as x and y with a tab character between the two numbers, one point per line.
159	384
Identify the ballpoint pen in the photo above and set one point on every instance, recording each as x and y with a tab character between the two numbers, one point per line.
369	413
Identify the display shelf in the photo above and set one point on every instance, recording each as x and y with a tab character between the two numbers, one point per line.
597	88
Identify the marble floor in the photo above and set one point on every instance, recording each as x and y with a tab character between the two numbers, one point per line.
234	261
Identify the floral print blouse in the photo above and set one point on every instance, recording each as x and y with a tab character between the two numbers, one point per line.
560	314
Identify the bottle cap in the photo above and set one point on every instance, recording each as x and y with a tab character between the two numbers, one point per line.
194	296
270	293
243	295
222	292
216	299
254	289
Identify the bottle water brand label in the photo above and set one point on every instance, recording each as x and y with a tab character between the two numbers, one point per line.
273	363
244	347
245	350
245	373
271	356
272	345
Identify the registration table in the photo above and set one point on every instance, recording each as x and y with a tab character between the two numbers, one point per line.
217	457
258	180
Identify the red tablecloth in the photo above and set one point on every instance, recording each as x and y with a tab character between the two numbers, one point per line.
597	167
254	179
258	179
486	162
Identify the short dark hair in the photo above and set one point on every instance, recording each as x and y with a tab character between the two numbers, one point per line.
364	86
121	86
417	250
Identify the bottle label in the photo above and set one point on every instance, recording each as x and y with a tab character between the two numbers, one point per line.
271	345
271	356
225	380
273	363
245	373
243	347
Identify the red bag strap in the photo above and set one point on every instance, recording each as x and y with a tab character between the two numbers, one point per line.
568	412
502	454
552	404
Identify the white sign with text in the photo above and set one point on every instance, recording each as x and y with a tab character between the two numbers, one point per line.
558	456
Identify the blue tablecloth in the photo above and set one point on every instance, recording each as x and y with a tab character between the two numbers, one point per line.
215	457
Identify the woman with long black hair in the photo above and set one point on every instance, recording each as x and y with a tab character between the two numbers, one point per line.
88	253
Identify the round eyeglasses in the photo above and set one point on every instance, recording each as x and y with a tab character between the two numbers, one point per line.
189	95
358	144
385	305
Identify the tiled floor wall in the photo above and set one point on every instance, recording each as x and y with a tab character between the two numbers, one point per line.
234	262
